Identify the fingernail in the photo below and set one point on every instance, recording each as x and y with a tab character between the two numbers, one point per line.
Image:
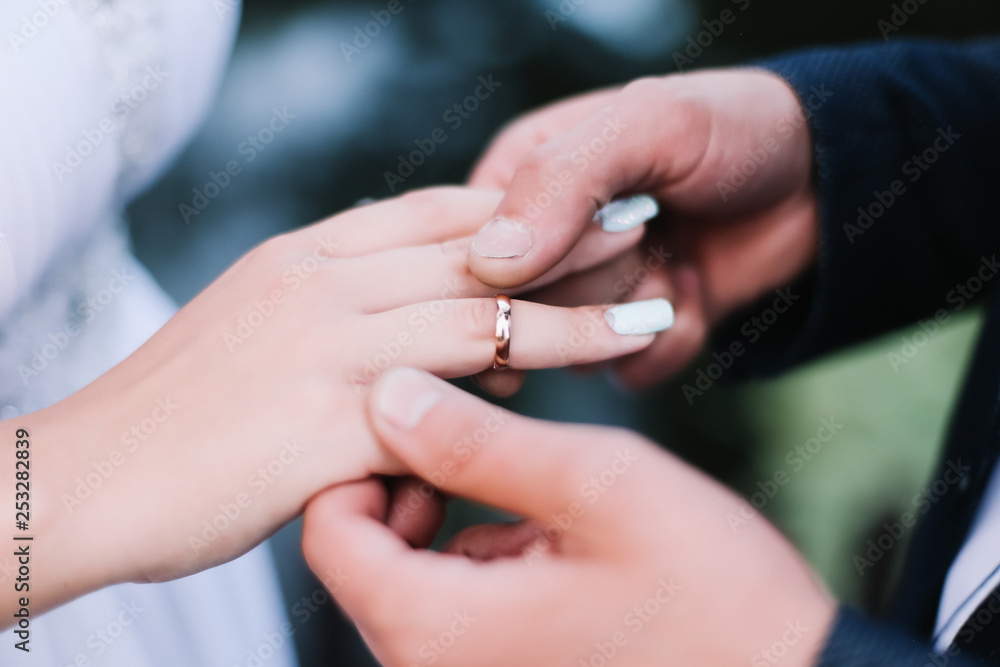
405	397
622	215
502	238
640	317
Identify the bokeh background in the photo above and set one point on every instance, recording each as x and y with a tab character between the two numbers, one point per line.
356	111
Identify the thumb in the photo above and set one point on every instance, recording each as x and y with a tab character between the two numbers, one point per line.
559	187
470	448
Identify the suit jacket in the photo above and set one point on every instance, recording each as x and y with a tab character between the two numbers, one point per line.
907	160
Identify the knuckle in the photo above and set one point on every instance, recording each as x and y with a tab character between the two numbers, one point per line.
270	253
455	254
542	161
476	319
672	92
656	89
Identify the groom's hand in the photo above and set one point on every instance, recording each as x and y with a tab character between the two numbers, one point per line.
726	153
627	553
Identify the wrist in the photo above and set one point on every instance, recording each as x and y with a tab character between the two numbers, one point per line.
41	569
67	543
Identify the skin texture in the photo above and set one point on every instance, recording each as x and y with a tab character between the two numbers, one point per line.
681	139
251	399
627	553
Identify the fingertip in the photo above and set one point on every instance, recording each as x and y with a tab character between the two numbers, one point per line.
503	238
500	383
488	542
415	412
501	254
627	213
403	396
416	511
329	514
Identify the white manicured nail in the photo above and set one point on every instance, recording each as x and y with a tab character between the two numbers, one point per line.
640	317
622	215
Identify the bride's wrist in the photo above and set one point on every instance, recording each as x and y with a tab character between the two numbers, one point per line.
45	483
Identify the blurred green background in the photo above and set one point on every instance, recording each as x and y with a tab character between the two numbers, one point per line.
355	116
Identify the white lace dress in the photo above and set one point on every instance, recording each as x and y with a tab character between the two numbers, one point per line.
95	97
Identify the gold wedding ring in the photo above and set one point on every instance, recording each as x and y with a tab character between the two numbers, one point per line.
502	357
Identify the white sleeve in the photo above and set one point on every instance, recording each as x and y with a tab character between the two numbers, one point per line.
94	102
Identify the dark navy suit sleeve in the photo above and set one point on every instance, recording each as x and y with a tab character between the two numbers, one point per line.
856	641
907	158
906	143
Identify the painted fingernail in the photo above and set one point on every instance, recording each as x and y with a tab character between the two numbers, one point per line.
406	396
502	238
622	215
640	317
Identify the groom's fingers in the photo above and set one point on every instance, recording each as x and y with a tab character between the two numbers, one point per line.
470	448
497	540
500	383
416	510
401	598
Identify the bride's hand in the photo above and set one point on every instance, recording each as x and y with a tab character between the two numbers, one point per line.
250	400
